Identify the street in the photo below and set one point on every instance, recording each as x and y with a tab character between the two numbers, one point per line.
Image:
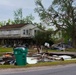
51	70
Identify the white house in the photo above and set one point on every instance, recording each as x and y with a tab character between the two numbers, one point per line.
17	33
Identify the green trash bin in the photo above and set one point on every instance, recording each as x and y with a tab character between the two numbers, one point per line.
20	55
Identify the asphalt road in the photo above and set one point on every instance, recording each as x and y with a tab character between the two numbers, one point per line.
55	70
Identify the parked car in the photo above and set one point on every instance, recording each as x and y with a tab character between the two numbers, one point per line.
60	46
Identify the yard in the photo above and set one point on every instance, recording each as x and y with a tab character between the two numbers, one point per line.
4	50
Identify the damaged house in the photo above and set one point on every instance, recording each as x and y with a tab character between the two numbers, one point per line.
16	34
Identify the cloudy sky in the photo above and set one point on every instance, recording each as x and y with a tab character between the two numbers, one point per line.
7	8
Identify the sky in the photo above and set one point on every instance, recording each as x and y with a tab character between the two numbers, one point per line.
7	8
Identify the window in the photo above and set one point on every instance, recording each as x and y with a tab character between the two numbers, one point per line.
24	32
35	31
27	32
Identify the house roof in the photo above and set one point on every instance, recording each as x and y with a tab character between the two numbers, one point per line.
13	26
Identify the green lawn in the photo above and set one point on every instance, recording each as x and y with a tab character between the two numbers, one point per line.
71	50
52	63
40	64
4	50
67	50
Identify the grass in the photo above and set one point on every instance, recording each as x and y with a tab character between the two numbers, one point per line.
2	50
40	64
67	50
52	63
71	50
5	50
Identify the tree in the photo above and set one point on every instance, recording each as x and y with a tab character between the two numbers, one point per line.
29	19
62	15
43	36
9	22
18	17
40	26
2	23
